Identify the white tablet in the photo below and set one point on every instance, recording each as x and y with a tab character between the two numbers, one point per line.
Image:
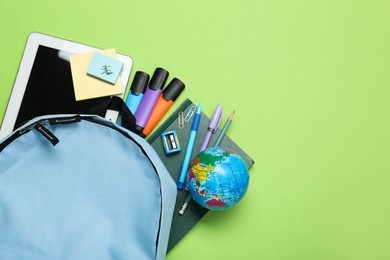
44	84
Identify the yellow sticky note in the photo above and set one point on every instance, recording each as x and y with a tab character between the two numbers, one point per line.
85	86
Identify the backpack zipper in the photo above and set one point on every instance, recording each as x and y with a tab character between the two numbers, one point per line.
42	130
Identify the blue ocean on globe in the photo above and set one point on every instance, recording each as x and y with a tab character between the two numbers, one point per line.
217	178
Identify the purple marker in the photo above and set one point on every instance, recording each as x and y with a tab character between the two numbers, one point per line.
149	100
213	126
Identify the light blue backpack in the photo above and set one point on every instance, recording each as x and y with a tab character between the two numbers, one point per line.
81	187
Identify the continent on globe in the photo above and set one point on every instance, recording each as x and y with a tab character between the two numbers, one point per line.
199	171
215	203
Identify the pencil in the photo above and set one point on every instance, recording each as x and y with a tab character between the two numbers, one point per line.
225	128
185	205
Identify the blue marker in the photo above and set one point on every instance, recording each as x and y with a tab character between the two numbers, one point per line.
190	146
137	90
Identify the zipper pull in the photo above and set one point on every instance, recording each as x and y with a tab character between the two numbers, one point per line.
46	133
65	120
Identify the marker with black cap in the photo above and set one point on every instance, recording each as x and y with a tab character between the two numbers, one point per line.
164	102
149	100
137	90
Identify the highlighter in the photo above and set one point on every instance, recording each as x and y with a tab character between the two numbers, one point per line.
137	90
164	103
149	100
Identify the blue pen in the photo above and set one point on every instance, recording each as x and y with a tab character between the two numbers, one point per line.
190	146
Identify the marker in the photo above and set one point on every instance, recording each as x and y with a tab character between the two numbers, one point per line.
190	146
149	100
164	102
212	128
225	128
137	90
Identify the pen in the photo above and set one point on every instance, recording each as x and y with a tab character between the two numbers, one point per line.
164	102
149	100
225	128
190	146
219	140
213	126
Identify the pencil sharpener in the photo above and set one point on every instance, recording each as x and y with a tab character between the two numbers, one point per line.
170	142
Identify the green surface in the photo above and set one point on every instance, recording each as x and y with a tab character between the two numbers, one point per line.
309	81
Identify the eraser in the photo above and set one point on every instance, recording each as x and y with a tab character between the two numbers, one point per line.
170	142
105	68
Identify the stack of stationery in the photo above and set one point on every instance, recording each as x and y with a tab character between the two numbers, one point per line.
89	81
182	224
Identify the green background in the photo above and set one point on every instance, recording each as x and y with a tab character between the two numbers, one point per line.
309	81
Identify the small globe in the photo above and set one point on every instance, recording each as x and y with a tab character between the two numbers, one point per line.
217	178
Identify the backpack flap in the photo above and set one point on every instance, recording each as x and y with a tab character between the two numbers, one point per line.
76	187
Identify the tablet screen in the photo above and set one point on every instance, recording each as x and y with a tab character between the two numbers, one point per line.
50	88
